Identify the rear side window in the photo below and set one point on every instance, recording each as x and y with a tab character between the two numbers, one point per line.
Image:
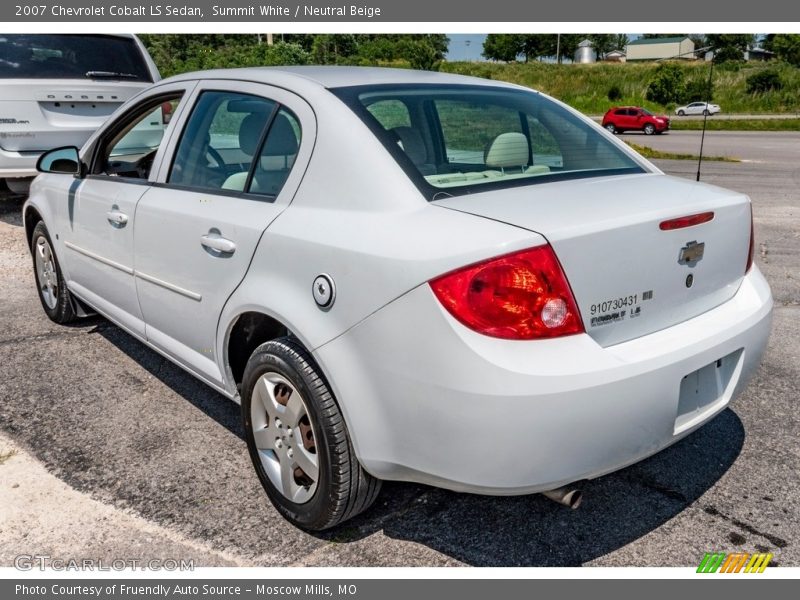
237	143
52	56
461	139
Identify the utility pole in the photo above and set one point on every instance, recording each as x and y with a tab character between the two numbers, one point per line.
269	39
558	48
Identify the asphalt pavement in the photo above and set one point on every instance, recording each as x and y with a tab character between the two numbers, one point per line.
126	429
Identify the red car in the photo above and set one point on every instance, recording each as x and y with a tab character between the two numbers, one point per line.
624	118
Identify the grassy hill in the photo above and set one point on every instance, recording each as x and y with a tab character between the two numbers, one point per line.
586	86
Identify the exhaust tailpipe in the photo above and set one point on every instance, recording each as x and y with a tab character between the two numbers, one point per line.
568	495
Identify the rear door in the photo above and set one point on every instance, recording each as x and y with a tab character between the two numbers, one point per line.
100	210
234	168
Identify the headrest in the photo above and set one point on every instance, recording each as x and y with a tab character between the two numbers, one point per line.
250	132
508	150
411	142
281	140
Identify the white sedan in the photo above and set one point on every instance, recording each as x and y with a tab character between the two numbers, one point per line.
407	276
698	108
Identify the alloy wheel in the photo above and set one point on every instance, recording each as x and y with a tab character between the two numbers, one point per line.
284	437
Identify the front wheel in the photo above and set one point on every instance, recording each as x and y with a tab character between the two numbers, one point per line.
50	284
706	113
610	127
298	440
649	129
681	113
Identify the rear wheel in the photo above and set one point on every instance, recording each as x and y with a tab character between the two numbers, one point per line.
298	440
649	129
611	128
50	284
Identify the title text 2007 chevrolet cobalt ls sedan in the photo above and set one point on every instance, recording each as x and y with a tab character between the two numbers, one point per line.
408	276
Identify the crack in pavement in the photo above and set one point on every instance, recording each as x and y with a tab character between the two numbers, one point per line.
778	542
51	335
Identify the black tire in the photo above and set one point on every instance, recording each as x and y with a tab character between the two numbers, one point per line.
343	489
706	113
681	113
610	127
62	310
649	129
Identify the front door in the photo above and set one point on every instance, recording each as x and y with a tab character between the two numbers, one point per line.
101	210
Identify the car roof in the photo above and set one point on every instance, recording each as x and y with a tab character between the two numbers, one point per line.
338	76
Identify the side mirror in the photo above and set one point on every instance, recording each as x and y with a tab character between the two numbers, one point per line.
64	160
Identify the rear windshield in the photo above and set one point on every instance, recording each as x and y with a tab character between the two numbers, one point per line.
71	57
460	139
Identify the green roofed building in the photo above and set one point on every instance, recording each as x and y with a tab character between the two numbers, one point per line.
660	48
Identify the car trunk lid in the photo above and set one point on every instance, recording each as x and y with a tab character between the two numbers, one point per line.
36	116
629	276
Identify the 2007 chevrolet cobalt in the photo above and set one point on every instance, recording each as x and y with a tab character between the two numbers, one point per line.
408	276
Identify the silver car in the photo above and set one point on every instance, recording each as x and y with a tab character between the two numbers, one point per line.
409	276
56	90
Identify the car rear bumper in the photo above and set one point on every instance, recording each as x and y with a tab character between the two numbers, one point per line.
428	400
18	164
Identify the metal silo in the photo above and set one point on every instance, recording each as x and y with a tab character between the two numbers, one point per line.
585	53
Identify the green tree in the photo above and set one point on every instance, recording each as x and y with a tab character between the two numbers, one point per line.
767	40
729	47
535	45
787	47
620	41
667	84
332	48
502	46
569	44
603	43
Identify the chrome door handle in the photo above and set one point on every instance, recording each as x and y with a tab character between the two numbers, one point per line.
218	243
116	217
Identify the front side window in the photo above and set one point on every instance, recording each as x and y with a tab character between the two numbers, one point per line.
237	143
133	141
463	139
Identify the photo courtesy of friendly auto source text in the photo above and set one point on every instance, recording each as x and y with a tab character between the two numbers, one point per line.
330	286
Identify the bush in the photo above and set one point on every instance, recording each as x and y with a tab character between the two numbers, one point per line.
764	81
614	93
667	84
698	90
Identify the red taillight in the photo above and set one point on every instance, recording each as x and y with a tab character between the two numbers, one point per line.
752	244
519	296
686	221
166	112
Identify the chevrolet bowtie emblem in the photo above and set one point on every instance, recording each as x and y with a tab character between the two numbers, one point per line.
692	252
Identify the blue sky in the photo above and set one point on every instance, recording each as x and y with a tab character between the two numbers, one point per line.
465	46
